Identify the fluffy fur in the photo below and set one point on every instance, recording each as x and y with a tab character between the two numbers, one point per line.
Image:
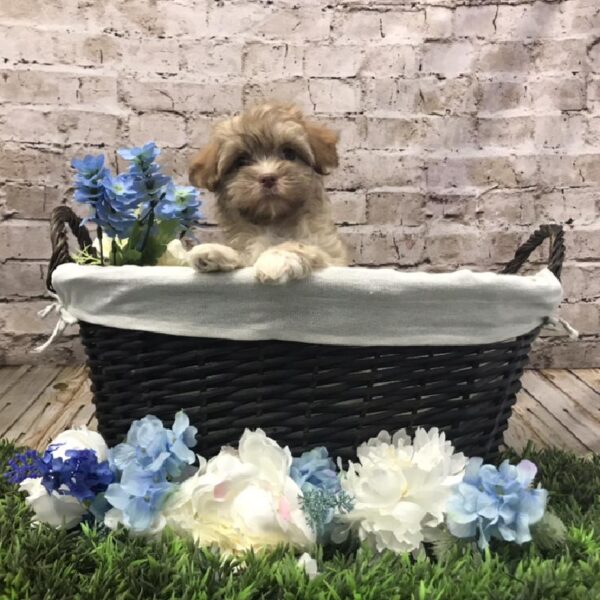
265	167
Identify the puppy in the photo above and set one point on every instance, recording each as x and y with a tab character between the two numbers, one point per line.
265	167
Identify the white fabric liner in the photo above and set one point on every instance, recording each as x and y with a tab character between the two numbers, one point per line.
343	306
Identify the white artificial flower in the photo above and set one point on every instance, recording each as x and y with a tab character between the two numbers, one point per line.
309	565
80	438
107	246
242	499
400	488
175	255
62	512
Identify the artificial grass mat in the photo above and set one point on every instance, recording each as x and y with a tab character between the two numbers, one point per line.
93	564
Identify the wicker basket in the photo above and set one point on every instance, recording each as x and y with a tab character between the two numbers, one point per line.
304	395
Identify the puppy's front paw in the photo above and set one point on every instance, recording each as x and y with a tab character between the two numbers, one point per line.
208	258
278	266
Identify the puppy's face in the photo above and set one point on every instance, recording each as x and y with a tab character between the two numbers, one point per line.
265	164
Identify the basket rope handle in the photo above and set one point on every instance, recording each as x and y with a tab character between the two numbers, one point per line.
557	249
63	216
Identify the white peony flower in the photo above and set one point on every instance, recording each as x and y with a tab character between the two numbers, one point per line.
401	488
242	499
62	512
80	439
57	510
309	565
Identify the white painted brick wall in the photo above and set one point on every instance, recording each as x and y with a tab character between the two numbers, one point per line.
465	123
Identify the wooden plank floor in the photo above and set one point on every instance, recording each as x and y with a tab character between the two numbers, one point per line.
558	408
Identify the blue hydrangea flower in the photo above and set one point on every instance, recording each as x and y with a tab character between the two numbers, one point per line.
79	474
496	502
315	470
150	460
322	495
25	465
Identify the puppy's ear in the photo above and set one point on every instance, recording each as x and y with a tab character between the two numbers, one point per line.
323	142
203	168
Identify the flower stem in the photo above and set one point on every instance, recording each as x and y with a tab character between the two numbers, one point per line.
114	252
149	227
99	234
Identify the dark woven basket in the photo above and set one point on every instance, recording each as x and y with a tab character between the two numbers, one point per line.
304	395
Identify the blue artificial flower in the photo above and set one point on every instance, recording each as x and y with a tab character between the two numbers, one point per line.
79	474
315	470
181	203
150	460
496	502
145	155
90	174
322	495
25	465
146	172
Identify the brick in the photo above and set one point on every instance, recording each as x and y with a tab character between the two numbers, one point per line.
499	96
293	90
332	61
161	95
22	279
448	59
563	56
34	165
529	21
207	59
250	21
393	206
581	281
373	168
334	96
389	246
450	132
389	61
454	245
564	132
166	129
272	61
499	207
510	132
173	18
480	171
19	318
32	201
585	317
449	206
558	94
394	133
399	26
561	354
59	127
426	96
475	21
349	208
583	244
438	22
559	170
504	57
24	239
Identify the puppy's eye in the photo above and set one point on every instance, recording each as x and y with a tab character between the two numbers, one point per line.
289	154
241	161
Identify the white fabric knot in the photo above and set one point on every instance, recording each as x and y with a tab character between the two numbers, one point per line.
64	319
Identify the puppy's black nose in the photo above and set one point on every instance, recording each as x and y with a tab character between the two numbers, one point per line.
268	181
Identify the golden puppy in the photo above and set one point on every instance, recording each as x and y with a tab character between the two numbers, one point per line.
265	167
